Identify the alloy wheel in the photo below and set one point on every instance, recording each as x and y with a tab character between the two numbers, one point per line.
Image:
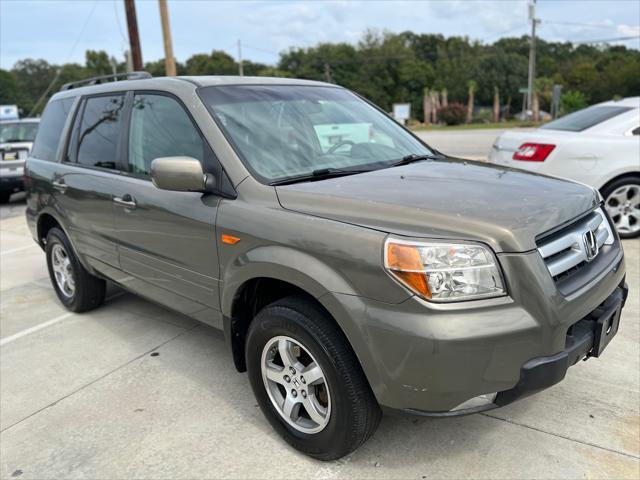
296	384
63	270
623	206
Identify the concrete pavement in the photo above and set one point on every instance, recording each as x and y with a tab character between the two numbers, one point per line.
133	390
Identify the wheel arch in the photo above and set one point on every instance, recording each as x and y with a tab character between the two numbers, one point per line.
47	220
265	275
631	173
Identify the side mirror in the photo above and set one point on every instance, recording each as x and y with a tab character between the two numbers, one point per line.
179	174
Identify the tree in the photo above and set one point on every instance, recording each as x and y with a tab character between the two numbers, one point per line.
9	91
98	63
573	100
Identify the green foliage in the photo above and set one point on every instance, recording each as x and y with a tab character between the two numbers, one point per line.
573	100
9	92
388	68
453	114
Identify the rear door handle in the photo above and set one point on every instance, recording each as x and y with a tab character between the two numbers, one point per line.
126	201
60	185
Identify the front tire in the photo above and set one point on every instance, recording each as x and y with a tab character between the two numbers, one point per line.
330	412
77	289
622	201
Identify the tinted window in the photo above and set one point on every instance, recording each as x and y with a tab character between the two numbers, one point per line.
50	129
160	127
587	118
99	131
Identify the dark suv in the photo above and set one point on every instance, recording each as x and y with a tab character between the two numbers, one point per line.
353	268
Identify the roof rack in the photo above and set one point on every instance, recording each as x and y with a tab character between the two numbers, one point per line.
105	78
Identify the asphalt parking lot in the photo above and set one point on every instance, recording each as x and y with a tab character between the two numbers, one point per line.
472	144
133	390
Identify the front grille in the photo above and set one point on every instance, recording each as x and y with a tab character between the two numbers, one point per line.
567	251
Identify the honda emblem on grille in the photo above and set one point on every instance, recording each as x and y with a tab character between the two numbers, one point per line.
590	244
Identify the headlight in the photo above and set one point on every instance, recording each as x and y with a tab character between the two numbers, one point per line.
605	227
444	272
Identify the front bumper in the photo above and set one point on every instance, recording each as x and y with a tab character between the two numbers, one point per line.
587	338
430	359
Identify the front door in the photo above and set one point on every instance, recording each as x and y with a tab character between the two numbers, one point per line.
166	240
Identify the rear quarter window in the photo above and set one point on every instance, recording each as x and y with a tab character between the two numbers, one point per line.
50	130
587	118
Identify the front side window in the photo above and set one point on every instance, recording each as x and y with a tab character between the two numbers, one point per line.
284	132
587	118
50	129
160	127
99	131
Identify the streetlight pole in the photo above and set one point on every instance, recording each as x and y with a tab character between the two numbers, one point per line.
532	54
240	66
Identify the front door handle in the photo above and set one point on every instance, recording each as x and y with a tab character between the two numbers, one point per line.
60	185
126	201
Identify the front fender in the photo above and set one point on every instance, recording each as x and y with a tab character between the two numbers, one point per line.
281	263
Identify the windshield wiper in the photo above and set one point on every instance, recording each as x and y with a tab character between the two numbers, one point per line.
414	157
319	174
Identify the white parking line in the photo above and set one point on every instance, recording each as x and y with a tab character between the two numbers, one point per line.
19	249
34	329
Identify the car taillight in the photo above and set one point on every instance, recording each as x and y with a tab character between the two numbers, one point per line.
533	152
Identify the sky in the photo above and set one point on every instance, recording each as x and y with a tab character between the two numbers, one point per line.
60	31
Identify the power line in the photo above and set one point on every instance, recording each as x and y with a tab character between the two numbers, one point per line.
59	71
576	24
115	10
608	40
271	52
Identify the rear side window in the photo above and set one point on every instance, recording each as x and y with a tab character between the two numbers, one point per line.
50	130
99	131
160	127
587	118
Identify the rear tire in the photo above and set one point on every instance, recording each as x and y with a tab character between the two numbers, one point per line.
5	197
351	411
77	289
622	202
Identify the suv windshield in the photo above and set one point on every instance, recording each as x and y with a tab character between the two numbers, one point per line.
587	118
18	132
283	132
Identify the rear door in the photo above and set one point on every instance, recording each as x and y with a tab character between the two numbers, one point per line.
84	183
167	239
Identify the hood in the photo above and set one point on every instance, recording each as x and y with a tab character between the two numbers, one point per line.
453	199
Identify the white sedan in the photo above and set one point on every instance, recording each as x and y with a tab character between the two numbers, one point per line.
599	146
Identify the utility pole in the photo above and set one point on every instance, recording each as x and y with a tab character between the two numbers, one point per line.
134	39
532	54
240	66
169	61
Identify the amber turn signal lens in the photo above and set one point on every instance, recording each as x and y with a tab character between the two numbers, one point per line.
229	239
405	263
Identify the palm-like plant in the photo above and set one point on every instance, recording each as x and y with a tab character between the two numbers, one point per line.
473	86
